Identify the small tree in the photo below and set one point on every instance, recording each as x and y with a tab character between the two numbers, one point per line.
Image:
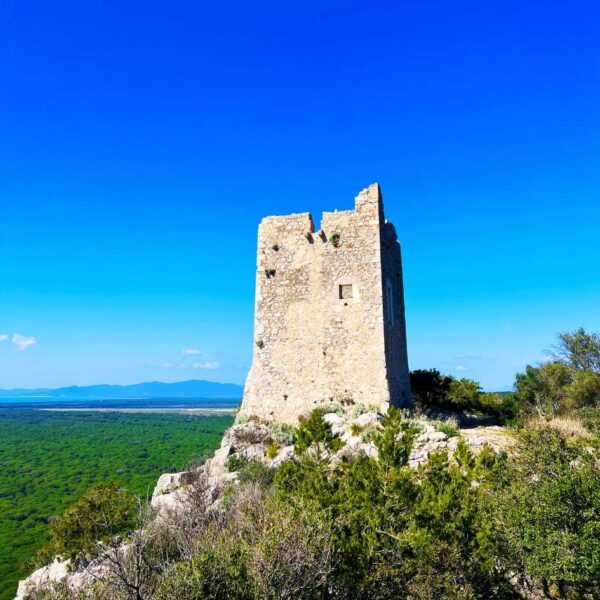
394	440
550	512
101	513
315	432
429	386
579	350
583	391
464	394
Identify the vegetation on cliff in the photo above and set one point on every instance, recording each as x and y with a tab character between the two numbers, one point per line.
327	524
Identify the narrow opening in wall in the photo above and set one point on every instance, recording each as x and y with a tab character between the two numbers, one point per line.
346	292
389	302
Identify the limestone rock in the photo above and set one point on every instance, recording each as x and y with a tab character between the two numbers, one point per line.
336	422
286	453
254	452
217	465
169	482
369	419
438	436
247	434
55	572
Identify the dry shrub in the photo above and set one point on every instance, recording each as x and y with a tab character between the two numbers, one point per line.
570	426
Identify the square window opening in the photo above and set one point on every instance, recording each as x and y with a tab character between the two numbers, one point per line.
346	292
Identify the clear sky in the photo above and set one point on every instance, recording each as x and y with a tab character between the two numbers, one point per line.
142	142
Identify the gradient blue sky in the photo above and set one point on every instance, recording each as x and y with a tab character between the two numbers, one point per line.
142	142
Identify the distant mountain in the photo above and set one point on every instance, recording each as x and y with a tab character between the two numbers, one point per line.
193	388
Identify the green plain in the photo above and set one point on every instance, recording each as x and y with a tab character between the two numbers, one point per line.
48	459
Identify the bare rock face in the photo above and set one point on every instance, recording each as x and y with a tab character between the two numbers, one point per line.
338	425
368	419
55	572
247	440
166	483
286	453
243	436
61	572
217	465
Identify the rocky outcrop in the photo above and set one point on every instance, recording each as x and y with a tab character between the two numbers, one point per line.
62	572
250	441
55	572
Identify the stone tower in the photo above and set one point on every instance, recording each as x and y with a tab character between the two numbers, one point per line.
329	321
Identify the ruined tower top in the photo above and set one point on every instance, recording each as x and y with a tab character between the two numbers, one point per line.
329	315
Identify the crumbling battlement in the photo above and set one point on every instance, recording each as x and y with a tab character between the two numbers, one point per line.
329	313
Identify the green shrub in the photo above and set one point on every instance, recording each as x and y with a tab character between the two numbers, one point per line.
549	512
272	451
367	433
400	533
282	433
314	432
241	419
429	386
250	470
101	513
218	571
265	550
235	462
359	409
336	409
449	429
356	429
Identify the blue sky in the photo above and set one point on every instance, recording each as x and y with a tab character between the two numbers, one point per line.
142	142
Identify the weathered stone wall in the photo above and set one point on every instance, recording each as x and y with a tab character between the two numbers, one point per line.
329	315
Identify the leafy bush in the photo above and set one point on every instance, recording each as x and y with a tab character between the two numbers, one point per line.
448	428
399	533
431	389
262	548
359	409
579	350
557	389
429	386
356	429
241	419
335	409
271	451
568	383
314	432
550	511
250	470
282	433
101	513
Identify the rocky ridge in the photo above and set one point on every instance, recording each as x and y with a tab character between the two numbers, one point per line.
256	440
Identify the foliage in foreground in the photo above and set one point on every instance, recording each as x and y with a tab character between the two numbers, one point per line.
467	526
549	511
485	526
